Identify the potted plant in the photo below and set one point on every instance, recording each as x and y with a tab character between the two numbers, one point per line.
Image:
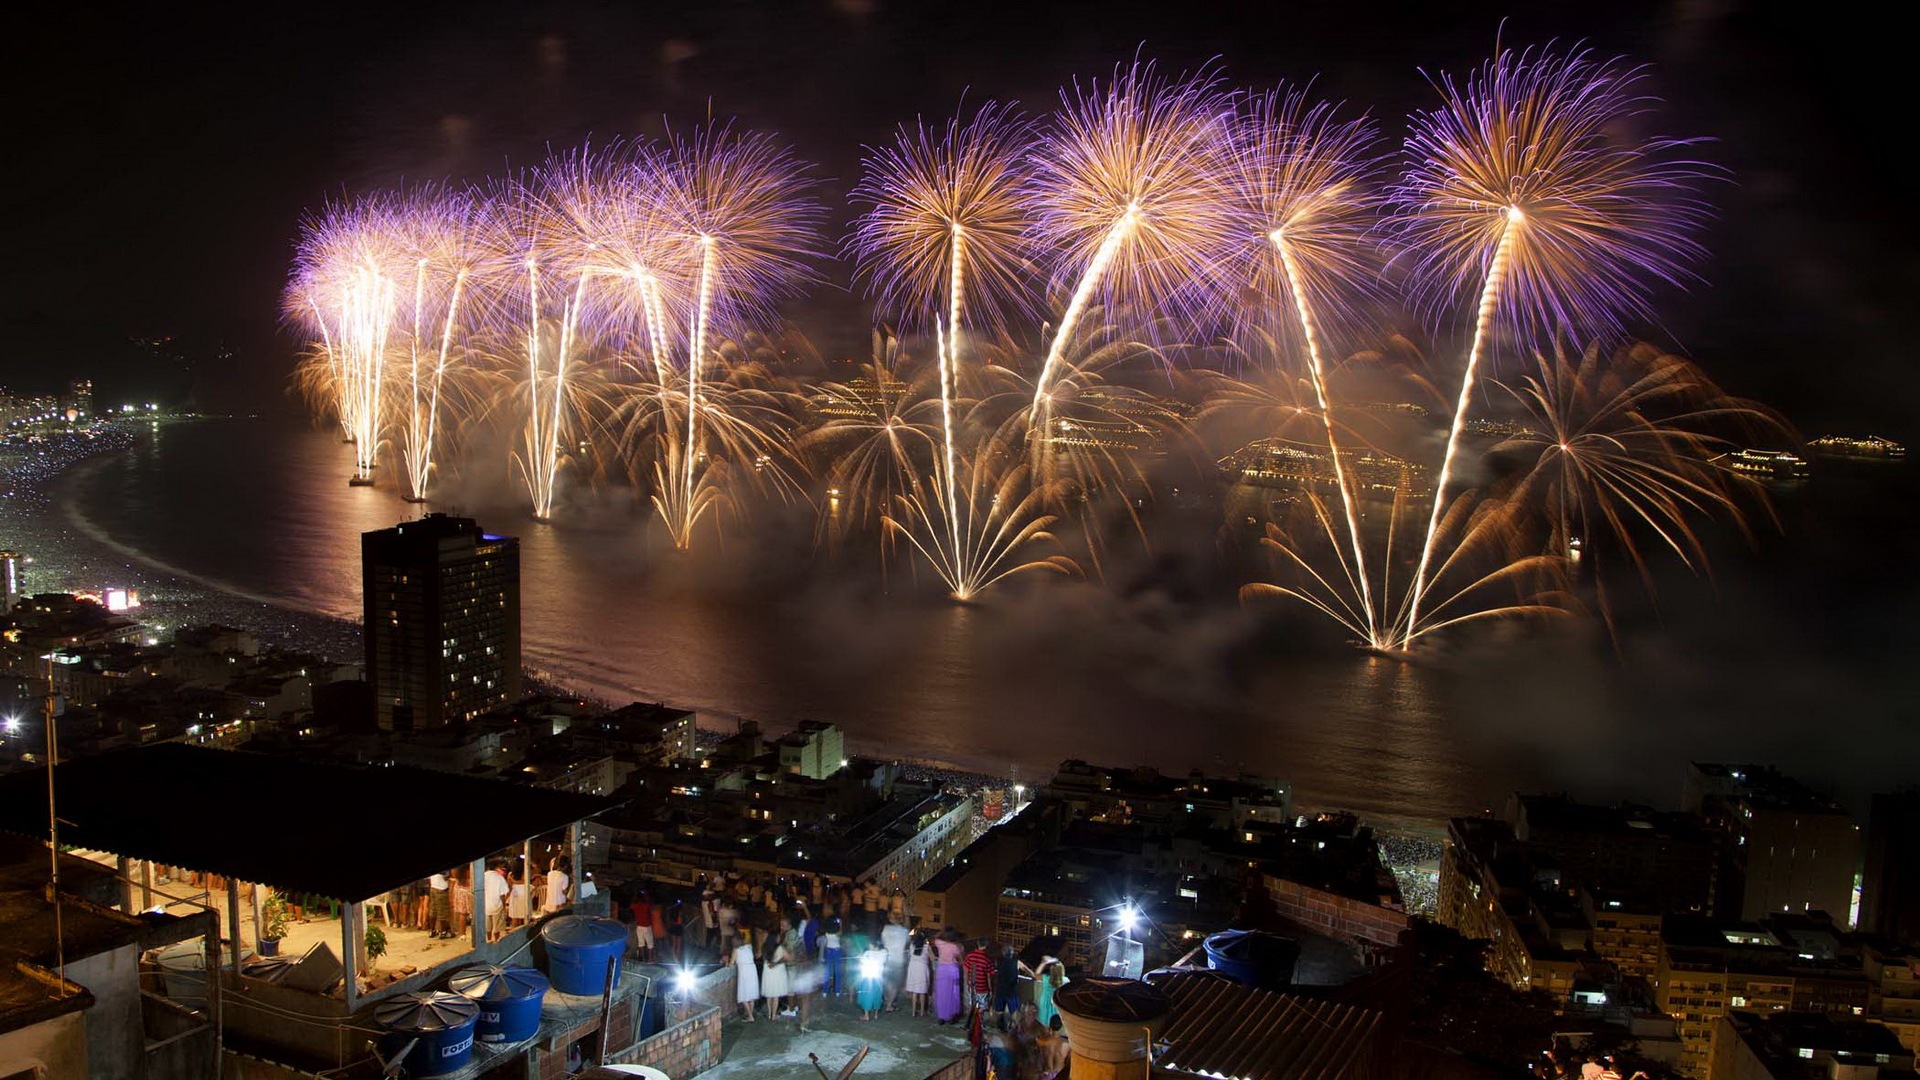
376	942
274	917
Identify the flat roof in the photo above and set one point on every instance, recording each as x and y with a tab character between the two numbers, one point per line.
344	831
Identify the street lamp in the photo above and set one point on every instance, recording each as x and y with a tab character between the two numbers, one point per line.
1126	957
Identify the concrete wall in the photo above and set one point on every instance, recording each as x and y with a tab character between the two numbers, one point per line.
179	1042
261	1015
57	1046
1338	917
116	1040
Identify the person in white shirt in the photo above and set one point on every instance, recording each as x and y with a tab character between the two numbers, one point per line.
496	901
440	906
518	900
557	882
710	920
893	939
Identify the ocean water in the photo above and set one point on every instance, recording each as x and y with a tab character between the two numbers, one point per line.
1795	649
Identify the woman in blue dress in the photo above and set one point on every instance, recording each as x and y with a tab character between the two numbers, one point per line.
870	993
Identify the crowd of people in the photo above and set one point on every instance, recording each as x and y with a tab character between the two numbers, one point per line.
513	893
802	944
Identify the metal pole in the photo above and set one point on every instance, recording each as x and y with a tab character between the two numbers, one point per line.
606	1010
477	887
53	830
526	876
350	950
210	967
574	869
233	921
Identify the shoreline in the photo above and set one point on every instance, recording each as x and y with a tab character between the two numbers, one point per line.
184	597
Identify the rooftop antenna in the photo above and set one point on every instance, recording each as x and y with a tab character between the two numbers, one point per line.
53	828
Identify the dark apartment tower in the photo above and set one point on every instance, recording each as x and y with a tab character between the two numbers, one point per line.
1890	899
442	621
1790	849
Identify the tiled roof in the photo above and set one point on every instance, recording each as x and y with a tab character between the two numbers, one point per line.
1220	1028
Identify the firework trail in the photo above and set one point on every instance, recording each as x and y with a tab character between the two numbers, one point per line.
440	234
1299	187
1625	445
1128	192
734	208
344	289
873	431
945	212
1521	184
1006	517
543	326
1477	578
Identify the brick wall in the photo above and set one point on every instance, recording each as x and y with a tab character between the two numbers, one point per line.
1339	917
689	1047
550	1049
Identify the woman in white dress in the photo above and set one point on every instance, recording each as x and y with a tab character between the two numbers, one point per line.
746	970
919	974
774	984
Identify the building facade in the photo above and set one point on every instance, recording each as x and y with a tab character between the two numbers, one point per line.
442	621
1890	887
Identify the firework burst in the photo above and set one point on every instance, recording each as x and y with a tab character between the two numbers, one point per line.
345	289
1620	448
1522	186
1300	191
1479	576
945	236
1129	198
733	210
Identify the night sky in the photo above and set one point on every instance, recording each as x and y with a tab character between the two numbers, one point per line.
160	163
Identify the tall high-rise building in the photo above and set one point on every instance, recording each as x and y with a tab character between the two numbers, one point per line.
442	621
12	563
1890	899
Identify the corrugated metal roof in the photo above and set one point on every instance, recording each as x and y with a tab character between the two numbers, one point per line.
349	832
1220	1028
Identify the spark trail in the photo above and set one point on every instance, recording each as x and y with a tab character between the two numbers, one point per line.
1521	183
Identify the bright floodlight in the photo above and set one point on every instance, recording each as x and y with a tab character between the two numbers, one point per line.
1129	918
870	965
686	981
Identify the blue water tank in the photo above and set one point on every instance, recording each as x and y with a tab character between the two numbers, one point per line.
578	950
1254	957
509	1000
443	1024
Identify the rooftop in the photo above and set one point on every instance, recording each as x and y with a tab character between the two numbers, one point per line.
1221	1028
343	831
899	1047
1765	787
30	995
1795	1045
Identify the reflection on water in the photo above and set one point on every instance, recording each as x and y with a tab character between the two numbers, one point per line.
1034	676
